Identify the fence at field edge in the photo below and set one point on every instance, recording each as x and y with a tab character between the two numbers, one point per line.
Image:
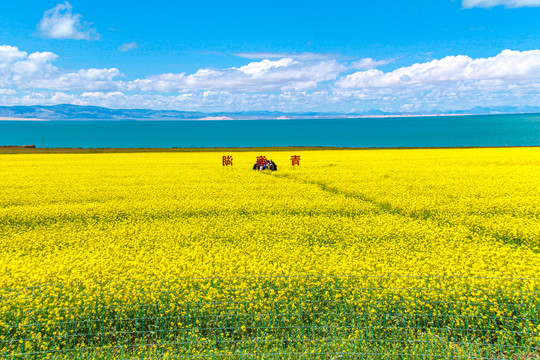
275	318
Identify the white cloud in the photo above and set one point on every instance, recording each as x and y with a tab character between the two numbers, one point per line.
21	70
128	46
206	100
277	55
266	75
85	79
507	67
17	66
9	54
361	64
417	99
258	69
368	63
467	4
509	78
60	23
287	84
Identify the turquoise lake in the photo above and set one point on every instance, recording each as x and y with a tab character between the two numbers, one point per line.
425	131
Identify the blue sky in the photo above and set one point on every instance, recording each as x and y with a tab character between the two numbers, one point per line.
341	56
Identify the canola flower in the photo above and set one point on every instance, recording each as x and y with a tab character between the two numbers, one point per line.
164	254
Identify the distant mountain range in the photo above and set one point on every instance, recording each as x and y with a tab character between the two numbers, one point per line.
75	112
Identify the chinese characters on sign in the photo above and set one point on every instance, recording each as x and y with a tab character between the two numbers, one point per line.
263	164
295	159
261	160
227	160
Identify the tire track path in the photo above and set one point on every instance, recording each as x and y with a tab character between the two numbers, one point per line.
424	215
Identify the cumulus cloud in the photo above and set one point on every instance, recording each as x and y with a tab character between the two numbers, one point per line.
467	4
128	46
454	82
265	75
17	66
334	100
7	92
506	67
278	55
18	69
368	63
205	100
286	84
85	79
60	23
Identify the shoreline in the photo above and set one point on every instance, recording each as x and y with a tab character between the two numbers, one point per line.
20	119
37	150
264	118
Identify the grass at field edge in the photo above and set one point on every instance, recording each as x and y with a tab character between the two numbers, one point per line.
23	150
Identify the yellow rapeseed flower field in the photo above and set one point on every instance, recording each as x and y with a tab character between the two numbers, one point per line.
95	248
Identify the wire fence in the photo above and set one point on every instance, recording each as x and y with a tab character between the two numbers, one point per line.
274	318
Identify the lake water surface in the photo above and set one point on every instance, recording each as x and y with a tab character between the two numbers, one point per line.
433	131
